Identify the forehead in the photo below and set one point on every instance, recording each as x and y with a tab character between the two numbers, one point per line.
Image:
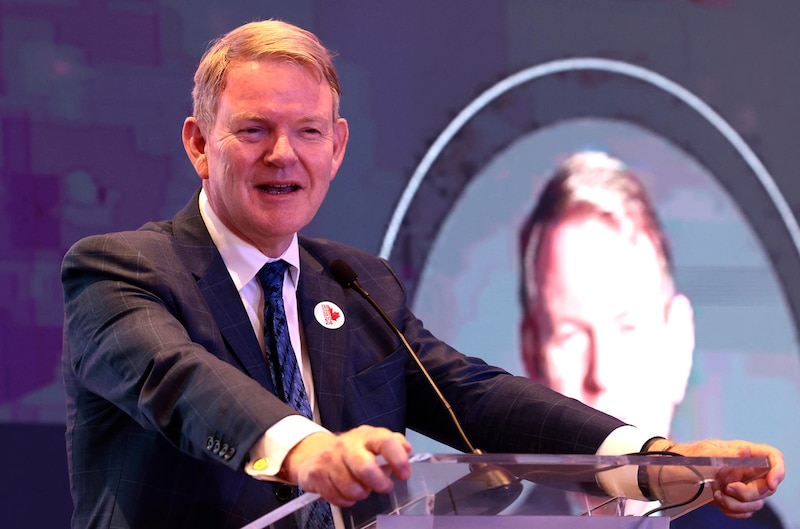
267	81
590	266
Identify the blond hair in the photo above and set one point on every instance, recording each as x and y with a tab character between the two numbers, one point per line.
260	40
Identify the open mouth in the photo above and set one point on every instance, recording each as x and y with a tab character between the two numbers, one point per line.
282	189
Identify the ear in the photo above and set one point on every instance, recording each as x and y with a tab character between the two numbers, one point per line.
341	134
194	142
680	334
531	357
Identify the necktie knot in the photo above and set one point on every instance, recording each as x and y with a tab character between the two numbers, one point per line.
271	277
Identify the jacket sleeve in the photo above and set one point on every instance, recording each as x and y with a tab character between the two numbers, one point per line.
140	340
498	411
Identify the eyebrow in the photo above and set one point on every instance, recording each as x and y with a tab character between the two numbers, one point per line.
245	116
253	116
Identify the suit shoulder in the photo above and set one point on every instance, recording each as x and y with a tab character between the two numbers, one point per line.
373	272
153	241
150	233
327	251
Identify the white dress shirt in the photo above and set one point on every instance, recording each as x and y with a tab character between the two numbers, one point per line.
243	262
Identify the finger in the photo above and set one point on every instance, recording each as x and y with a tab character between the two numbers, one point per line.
395	449
325	472
364	467
334	480
348	490
735	508
777	469
747	492
726	475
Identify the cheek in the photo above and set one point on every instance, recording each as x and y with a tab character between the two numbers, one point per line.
217	163
561	371
318	192
649	345
234	163
317	161
231	154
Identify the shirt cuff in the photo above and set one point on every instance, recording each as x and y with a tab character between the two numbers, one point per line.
623	481
267	455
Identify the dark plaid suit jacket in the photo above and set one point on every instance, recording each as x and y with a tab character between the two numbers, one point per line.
167	389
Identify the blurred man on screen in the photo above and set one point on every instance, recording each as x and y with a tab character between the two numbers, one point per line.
603	321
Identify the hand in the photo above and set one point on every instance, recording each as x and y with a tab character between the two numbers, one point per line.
736	492
343	468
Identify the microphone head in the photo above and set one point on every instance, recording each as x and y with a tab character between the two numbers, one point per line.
343	273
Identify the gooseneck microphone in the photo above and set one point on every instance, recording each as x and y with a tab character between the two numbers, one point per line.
487	489
344	274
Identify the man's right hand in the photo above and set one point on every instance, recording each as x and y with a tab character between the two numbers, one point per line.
343	468
738	492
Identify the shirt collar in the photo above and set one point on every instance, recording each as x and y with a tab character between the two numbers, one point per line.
242	259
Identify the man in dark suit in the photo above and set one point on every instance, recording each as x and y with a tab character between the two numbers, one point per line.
173	418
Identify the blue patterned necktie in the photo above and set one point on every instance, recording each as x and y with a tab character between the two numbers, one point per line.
285	372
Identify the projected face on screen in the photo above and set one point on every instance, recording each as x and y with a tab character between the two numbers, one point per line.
600	312
745	373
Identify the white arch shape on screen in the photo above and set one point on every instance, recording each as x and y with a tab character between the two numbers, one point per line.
589	63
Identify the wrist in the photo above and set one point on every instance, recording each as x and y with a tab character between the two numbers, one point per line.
654	445
659	444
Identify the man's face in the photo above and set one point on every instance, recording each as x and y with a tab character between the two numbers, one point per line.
607	335
269	158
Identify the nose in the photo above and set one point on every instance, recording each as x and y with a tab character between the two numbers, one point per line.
282	152
599	369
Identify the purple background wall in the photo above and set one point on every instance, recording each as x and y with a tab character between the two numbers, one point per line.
93	94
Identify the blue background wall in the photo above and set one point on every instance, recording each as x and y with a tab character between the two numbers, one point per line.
93	94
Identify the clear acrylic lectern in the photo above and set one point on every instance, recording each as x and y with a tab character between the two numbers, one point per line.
460	491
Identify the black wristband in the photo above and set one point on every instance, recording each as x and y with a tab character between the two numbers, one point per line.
647	444
641	476
644	484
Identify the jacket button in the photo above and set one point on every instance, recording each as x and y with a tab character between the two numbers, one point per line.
284	492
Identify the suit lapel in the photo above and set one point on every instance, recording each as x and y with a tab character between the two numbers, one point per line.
326	348
195	246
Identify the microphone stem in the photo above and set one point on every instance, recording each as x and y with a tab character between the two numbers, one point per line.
355	284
